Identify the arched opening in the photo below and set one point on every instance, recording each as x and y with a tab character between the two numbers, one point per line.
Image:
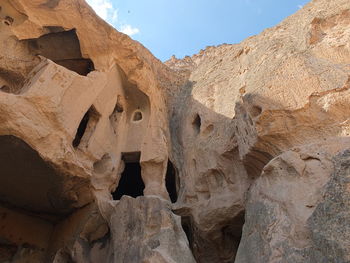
197	122
186	226
86	126
62	48
137	116
231	236
130	182
30	183
171	182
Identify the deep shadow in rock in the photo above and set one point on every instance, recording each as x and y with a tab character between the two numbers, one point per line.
130	182
30	183
172	182
62	48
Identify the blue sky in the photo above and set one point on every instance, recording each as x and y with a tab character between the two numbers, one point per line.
183	27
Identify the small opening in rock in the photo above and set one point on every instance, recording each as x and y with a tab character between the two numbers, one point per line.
6	89
118	107
186	226
232	235
137	116
256	111
86	127
171	182
8	20
130	182
197	122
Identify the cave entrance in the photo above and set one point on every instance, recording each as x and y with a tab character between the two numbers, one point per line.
171	182
63	48
86	126
186	226
130	182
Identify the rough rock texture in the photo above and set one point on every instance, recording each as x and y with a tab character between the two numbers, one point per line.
236	154
287	215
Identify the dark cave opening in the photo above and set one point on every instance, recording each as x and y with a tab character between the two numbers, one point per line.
63	48
171	182
186	226
232	234
81	129
41	187
137	116
130	182
86	126
197	122
220	244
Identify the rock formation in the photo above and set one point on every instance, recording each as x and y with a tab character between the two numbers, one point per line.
237	154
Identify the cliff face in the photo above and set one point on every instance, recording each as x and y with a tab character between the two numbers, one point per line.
236	154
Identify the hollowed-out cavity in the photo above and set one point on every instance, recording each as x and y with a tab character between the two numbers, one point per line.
255	111
30	183
62	48
116	114
255	161
86	127
186	226
137	116
196	123
8	21
218	245
171	182
130	182
10	81
232	234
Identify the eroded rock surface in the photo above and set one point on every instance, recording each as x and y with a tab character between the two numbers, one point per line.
237	154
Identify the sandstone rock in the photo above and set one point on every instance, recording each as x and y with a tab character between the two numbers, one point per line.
246	134
145	230
282	202
329	223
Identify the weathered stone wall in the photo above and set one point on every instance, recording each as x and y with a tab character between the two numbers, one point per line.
239	153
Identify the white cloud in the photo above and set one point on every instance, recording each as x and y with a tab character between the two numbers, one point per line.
103	8
106	10
300	6
129	30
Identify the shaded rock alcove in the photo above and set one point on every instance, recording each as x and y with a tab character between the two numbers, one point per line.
172	181
86	127
63	48
130	182
30	183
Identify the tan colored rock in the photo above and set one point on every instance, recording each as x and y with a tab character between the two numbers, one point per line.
145	230
282	201
88	115
248	103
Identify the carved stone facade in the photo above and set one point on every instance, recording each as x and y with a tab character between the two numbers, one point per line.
236	154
